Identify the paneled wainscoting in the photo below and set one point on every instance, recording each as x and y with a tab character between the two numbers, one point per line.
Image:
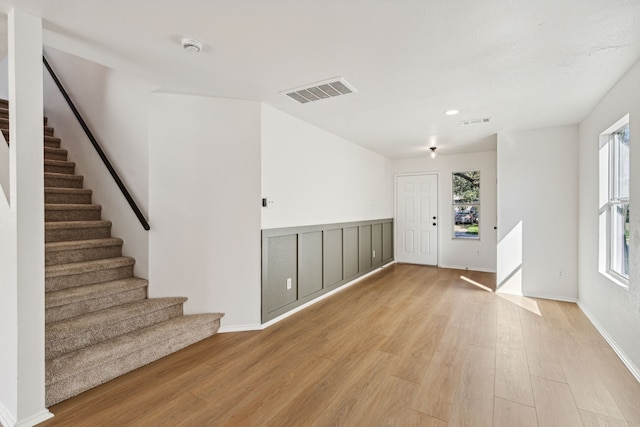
409	346
300	264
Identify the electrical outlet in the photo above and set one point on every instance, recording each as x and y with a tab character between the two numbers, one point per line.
289	283
561	273
478	253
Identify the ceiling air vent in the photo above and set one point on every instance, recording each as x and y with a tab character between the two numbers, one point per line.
475	121
322	90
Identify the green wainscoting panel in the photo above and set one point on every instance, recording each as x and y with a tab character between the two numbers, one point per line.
317	259
350	252
364	248
281	266
331	257
376	245
309	263
387	242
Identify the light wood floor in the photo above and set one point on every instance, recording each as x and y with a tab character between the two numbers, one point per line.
410	346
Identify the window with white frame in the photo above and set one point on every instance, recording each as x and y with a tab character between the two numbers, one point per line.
466	205
614	202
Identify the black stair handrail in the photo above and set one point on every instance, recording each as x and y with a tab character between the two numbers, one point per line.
97	147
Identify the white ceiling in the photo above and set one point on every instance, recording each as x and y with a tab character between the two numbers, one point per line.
524	63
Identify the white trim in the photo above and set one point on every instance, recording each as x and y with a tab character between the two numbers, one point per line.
460	267
635	371
35	419
320	298
240	328
551	297
6	419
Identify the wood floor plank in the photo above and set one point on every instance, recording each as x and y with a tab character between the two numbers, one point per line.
543	357
473	402
554	404
590	419
589	391
512	370
441	379
484	327
622	386
511	414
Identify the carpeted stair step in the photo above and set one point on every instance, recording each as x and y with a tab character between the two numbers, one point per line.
58	166
67	195
64	276
63	180
71	212
55	154
82	250
67	231
83	331
51	141
72	302
73	373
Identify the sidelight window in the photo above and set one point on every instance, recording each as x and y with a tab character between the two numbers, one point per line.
466	205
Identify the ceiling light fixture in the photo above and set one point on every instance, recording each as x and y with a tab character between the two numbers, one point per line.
451	112
433	152
191	45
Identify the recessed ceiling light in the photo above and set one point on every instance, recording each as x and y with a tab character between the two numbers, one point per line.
451	112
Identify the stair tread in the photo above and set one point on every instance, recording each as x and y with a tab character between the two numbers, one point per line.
58	162
61	175
99	290
109	316
82	244
72	206
64	190
61	225
55	150
87	266
106	352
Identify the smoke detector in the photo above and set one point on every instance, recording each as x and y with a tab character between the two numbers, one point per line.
191	45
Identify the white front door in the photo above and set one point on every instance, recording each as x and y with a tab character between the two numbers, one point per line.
417	219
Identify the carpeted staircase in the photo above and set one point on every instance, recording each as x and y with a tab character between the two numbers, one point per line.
99	322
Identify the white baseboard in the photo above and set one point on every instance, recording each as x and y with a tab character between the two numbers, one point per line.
550	296
323	296
460	267
635	371
7	420
240	328
35	419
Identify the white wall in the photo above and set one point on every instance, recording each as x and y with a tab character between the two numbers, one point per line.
315	177
614	310
204	196
459	253
538	212
115	107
